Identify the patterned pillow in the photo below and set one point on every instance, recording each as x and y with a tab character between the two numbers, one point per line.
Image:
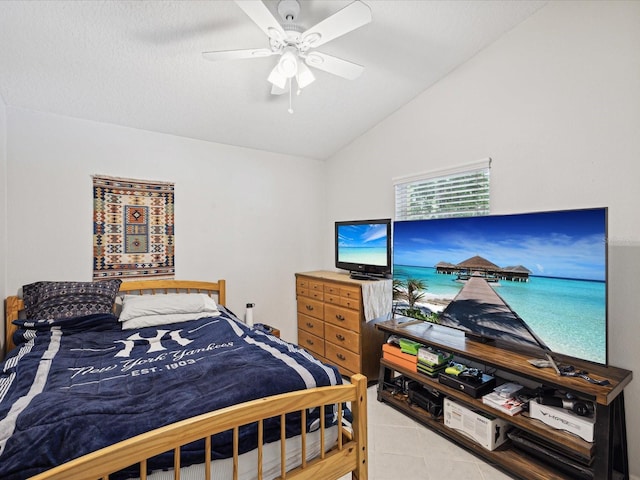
54	300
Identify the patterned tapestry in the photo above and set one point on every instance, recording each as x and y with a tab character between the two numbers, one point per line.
133	228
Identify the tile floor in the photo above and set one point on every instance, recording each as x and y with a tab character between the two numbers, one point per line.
400	448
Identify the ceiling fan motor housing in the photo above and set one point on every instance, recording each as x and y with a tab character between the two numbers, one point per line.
289	10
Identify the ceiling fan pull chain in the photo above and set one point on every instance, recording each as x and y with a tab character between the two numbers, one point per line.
290	101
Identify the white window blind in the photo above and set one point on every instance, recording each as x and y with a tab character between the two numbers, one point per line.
456	192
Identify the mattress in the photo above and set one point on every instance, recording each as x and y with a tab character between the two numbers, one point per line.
247	462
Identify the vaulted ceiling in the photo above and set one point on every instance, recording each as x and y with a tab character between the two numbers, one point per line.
139	64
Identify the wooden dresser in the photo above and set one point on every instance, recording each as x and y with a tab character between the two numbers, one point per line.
332	324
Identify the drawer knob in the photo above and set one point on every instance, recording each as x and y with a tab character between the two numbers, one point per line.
340	317
309	324
309	342
309	307
341	356
340	337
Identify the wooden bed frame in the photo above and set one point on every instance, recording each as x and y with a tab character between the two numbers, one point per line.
348	455
14	304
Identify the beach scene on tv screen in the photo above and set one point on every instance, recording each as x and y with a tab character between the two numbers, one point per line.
538	279
363	244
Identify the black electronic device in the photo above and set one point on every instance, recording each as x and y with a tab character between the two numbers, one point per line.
363	247
576	466
398	385
579	407
428	400
476	385
472	374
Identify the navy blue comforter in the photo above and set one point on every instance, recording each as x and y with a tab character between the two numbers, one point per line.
72	387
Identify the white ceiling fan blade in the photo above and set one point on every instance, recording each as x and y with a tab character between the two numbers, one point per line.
334	65
260	14
353	16
237	54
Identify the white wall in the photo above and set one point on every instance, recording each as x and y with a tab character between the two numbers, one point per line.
247	216
3	212
556	104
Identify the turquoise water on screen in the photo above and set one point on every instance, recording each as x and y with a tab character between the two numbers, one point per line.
568	315
368	255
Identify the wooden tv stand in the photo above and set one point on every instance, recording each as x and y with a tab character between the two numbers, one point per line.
609	449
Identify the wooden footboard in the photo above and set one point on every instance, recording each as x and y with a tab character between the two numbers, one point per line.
349	454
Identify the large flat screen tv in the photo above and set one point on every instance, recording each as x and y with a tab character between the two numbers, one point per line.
536	280
363	247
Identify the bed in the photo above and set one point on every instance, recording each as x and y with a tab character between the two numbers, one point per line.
246	405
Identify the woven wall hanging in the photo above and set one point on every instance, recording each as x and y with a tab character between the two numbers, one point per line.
133	228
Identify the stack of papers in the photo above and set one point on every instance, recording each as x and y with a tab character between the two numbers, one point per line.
503	398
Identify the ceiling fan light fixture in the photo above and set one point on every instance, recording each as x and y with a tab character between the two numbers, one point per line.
276	78
288	64
305	76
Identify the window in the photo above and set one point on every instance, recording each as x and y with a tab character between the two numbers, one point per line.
456	192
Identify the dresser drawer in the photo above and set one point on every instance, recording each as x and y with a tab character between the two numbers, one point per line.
351	303
347	319
302	291
351	293
333	298
311	342
311	307
311	325
302	282
342	357
316	294
332	288
343	338
314	285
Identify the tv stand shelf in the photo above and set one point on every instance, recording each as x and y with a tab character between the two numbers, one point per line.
609	450
529	468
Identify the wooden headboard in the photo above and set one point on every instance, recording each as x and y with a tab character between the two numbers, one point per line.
14	305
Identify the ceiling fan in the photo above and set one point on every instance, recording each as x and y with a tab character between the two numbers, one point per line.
296	46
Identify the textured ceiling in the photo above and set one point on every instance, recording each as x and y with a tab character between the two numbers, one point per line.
139	64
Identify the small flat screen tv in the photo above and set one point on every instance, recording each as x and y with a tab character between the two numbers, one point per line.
534	280
363	247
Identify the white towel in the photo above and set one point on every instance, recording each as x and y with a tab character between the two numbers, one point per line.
377	299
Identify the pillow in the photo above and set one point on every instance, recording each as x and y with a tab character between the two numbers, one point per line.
55	300
150	310
164	319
